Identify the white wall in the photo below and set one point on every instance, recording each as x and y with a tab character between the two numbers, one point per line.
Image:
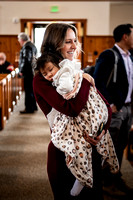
98	14
120	13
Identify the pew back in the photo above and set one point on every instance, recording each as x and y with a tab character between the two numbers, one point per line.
11	87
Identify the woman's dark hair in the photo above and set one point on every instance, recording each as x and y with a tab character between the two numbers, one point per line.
120	30
54	36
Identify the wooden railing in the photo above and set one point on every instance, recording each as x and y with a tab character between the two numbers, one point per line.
10	90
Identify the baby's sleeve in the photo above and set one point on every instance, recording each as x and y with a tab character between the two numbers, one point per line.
65	83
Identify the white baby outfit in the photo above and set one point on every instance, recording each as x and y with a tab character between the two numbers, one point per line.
68	132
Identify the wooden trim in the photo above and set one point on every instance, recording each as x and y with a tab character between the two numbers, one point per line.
82	21
23	21
8	35
61	0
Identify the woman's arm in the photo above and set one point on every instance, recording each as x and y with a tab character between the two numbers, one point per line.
48	98
89	78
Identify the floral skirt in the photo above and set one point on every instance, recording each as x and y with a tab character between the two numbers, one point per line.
67	135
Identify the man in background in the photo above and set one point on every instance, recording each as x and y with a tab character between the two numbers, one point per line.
5	66
118	93
27	52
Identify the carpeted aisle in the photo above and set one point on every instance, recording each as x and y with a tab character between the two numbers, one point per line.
23	157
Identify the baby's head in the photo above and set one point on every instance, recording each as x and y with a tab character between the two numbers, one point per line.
48	64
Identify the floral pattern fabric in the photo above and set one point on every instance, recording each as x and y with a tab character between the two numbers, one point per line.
68	136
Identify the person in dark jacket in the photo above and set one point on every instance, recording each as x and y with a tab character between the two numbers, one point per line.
27	52
5	66
118	92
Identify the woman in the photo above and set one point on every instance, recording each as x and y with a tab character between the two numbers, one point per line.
62	38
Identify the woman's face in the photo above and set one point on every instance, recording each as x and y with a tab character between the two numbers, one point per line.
70	45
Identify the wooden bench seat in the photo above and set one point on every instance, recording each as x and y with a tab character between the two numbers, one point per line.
3	113
8	94
10	90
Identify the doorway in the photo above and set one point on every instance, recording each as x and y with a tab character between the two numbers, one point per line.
35	27
38	34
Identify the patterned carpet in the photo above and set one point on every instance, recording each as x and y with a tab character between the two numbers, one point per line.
23	158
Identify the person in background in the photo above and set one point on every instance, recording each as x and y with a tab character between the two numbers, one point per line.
118	94
62	38
5	66
27	53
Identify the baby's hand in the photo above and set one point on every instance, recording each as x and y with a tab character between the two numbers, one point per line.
68	95
89	78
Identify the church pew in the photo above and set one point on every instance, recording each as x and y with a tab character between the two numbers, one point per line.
3	91
11	87
8	95
16	87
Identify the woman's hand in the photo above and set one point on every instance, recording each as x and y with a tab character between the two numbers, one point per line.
89	78
99	137
91	140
